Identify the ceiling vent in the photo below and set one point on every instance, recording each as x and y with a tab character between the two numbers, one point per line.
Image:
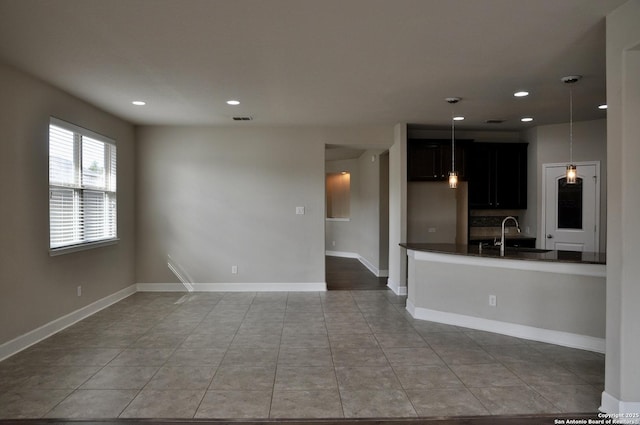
494	121
242	118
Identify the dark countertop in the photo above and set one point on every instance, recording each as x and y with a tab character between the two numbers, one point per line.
510	253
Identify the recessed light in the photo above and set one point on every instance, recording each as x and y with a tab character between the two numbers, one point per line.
139	102
233	102
521	93
458	118
526	119
602	106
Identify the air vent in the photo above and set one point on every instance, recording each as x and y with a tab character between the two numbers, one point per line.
494	121
242	118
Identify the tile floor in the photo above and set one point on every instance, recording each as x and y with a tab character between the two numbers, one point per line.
337	354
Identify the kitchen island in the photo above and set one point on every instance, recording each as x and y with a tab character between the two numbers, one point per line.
551	296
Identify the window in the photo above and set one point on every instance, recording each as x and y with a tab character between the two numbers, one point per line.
338	186
82	188
570	204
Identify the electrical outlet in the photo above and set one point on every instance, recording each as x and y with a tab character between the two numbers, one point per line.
493	300
300	210
431	230
234	269
79	291
333	243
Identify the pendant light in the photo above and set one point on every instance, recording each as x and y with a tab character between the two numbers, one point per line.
453	175
572	172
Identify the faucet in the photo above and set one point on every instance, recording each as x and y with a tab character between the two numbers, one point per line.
502	244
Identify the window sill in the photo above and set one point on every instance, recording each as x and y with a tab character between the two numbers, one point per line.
337	219
53	252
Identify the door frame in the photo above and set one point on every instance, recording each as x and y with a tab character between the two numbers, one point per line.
543	224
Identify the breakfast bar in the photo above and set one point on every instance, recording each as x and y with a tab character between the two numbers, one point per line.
543	295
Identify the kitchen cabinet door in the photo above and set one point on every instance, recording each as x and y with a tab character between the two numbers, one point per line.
511	176
480	170
497	176
423	160
430	160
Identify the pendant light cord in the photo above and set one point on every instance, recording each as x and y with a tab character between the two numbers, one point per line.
453	141
570	125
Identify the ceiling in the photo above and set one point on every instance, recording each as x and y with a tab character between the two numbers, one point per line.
322	62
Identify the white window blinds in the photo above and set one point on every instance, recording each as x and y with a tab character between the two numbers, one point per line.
82	187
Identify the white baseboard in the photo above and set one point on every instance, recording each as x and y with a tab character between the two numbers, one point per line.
22	342
397	289
566	339
343	254
613	406
373	269
234	287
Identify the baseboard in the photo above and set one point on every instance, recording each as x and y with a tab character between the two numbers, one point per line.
628	410
30	338
373	269
397	289
566	339
234	287
343	254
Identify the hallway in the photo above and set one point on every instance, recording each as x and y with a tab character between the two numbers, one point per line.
350	274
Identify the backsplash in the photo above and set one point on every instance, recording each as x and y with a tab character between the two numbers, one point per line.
490	221
486	224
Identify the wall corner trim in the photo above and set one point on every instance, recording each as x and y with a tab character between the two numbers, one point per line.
25	341
612	405
397	289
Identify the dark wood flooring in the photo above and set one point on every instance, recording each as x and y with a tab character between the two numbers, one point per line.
546	419
350	274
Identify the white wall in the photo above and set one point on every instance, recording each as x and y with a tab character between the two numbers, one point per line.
384	212
212	198
341	235
398	210
368	208
432	212
36	288
550	144
622	372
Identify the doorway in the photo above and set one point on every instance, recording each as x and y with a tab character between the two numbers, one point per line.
571	211
357	217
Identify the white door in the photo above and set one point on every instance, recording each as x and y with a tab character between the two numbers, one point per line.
571	211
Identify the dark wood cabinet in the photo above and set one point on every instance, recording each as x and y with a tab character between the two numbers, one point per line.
497	174
430	160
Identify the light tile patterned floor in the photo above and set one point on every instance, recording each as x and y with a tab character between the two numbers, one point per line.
288	355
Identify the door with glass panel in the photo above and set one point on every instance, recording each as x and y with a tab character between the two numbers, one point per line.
571	210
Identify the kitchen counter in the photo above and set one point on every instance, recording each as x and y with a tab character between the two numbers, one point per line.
527	254
556	297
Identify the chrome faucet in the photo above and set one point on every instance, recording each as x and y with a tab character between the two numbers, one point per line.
502	244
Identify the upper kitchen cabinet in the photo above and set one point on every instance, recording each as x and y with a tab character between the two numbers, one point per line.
497	174
430	160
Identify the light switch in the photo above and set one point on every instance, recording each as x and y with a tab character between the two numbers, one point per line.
300	210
